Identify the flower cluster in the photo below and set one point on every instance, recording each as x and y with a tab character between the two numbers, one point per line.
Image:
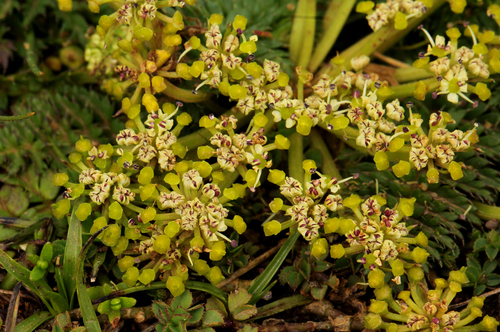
398	11
456	67
421	309
310	203
167	213
379	233
435	149
147	38
245	153
220	65
99	55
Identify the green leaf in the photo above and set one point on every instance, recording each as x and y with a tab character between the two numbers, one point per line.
33	321
207	288
479	289
212	318
88	313
196	315
37	273
47	252
104	307
47	189
128	302
259	284
183	301
56	328
6	233
214	303
492	280
473	273
480	243
490	266
40	288
72	251
237	299
114	317
244	312
160	311
318	293
491	251
281	305
63	319
248	328
471	261
15	199
322	266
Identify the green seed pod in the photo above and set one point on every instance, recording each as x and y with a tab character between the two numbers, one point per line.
120	246
61	208
376	278
205	152
201	267
111	235
161	244
125	262
83	211
147	276
172	229
378	307
373	321
115	211
175	285
131	276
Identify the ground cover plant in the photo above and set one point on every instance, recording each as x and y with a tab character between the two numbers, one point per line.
249	166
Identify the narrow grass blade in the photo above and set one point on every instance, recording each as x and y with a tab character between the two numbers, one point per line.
263	280
88	313
72	252
33	321
278	306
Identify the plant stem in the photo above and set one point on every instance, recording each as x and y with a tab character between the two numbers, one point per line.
407	90
328	166
487	212
381	40
184	95
30	54
296	157
296	35
203	135
348	132
340	10
308	34
408	74
16	117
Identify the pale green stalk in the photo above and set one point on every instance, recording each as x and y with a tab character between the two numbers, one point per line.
296	157
408	74
328	167
380	40
486	212
338	12
408	89
308	34
296	35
